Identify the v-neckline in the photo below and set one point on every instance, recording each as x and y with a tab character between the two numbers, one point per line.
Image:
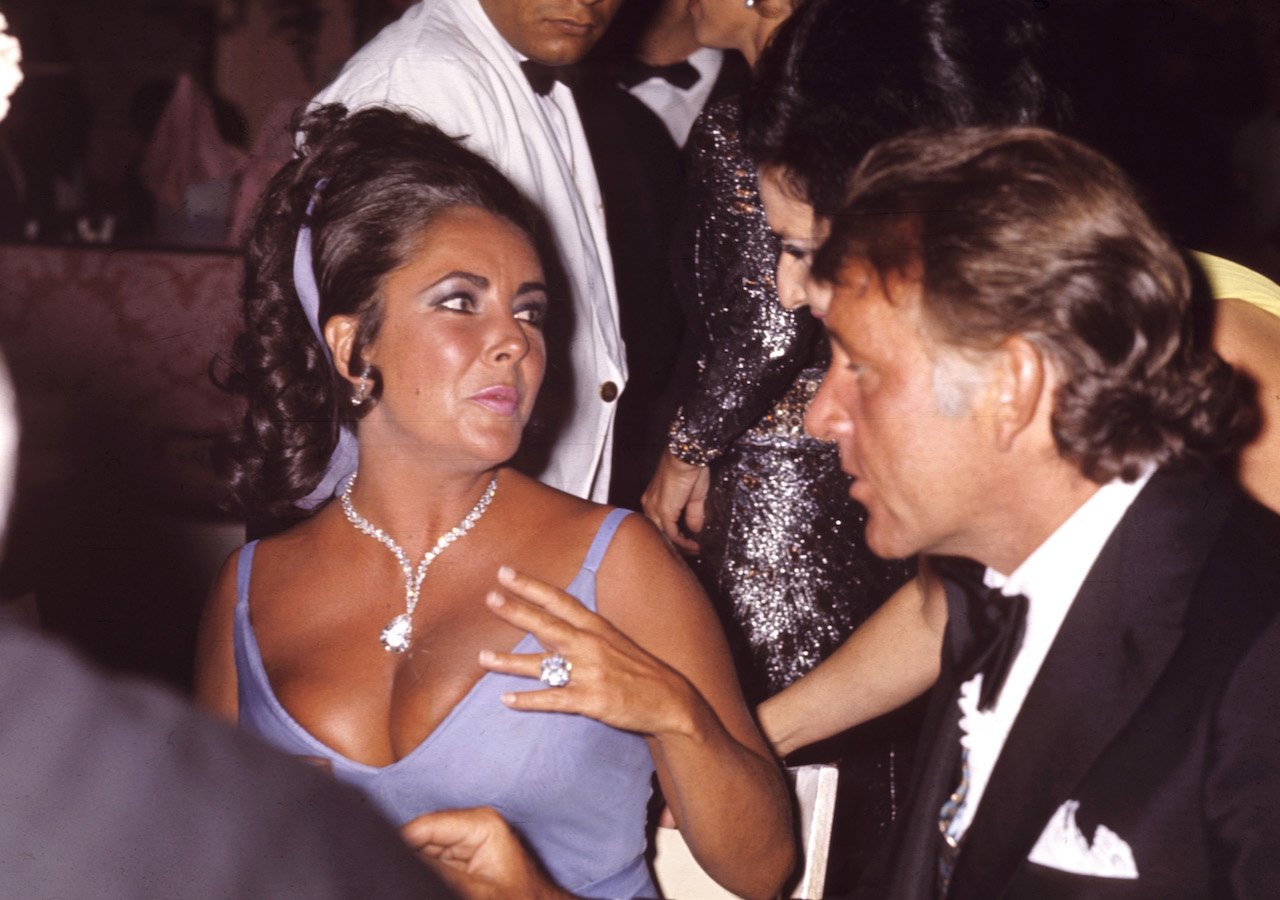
527	644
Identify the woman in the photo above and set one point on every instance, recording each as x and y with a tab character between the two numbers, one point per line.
773	549
420	354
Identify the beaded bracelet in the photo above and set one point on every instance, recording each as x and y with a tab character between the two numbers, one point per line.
685	448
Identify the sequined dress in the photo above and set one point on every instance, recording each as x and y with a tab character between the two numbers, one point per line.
784	556
783	552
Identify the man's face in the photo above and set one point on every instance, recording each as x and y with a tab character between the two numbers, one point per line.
553	32
917	468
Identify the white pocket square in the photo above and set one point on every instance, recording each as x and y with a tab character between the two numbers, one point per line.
1063	847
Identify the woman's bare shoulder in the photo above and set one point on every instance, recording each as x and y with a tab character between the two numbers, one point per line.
547	508
643	575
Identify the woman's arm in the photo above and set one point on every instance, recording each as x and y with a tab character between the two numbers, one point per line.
1249	339
655	662
889	661
215	681
749	348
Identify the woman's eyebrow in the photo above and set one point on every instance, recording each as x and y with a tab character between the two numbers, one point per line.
478	280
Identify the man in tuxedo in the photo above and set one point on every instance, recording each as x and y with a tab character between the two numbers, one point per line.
1017	390
1015	385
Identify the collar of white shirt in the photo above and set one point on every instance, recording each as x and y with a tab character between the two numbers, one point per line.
1049	578
679	107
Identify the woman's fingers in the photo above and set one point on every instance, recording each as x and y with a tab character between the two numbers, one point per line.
695	510
551	600
549	629
524	665
551	700
667	496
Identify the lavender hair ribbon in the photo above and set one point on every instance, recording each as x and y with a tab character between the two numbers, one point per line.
346	454
304	281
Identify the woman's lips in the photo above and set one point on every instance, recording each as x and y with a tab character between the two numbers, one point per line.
501	399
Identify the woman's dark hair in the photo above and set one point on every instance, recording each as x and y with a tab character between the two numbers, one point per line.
1023	231
840	76
367	184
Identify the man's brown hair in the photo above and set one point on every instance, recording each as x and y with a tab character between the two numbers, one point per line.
1024	231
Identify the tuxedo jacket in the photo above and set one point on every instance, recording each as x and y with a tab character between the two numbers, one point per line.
1157	709
641	173
118	790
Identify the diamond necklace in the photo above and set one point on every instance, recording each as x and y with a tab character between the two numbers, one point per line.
397	637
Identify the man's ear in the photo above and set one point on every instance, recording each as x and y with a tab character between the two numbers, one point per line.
1022	381
340	335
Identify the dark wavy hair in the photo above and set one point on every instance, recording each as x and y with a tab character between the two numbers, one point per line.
374	179
1024	231
840	76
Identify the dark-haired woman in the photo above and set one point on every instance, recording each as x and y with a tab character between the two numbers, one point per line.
777	540
393	350
782	547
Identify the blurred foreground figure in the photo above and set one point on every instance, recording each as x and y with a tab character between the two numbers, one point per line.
118	790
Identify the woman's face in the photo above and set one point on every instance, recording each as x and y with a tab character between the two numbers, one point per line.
461	348
801	233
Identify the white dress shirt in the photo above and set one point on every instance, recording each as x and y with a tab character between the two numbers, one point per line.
445	61
679	107
1049	578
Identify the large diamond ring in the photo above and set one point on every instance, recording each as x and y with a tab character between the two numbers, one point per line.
555	670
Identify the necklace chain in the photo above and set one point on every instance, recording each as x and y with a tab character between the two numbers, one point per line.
397	636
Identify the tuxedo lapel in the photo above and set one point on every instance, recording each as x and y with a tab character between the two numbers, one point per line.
1112	648
909	867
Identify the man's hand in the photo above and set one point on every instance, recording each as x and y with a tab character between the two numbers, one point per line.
478	855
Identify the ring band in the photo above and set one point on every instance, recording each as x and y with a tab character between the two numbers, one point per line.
555	671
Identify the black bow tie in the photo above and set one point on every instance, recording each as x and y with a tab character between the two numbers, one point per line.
542	77
681	74
996	627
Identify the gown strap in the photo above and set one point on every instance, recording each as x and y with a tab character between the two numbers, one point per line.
244	566
604	535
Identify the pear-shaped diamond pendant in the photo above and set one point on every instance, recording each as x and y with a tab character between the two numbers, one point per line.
397	637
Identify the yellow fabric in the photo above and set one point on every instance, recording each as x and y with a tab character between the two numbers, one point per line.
1230	279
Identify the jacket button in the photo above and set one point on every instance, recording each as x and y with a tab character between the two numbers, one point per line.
608	392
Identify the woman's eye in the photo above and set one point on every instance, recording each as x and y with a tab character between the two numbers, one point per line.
534	313
457	303
797	253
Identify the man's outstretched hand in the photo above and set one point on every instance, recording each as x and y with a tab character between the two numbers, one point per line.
478	855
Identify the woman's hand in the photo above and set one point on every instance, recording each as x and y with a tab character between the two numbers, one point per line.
677	487
612	679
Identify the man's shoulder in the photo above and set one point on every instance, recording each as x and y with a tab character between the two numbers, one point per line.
427	31
424	58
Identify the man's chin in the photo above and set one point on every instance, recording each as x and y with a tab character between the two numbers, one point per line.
885	544
561	51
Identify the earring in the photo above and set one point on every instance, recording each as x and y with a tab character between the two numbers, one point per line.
361	392
749	4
